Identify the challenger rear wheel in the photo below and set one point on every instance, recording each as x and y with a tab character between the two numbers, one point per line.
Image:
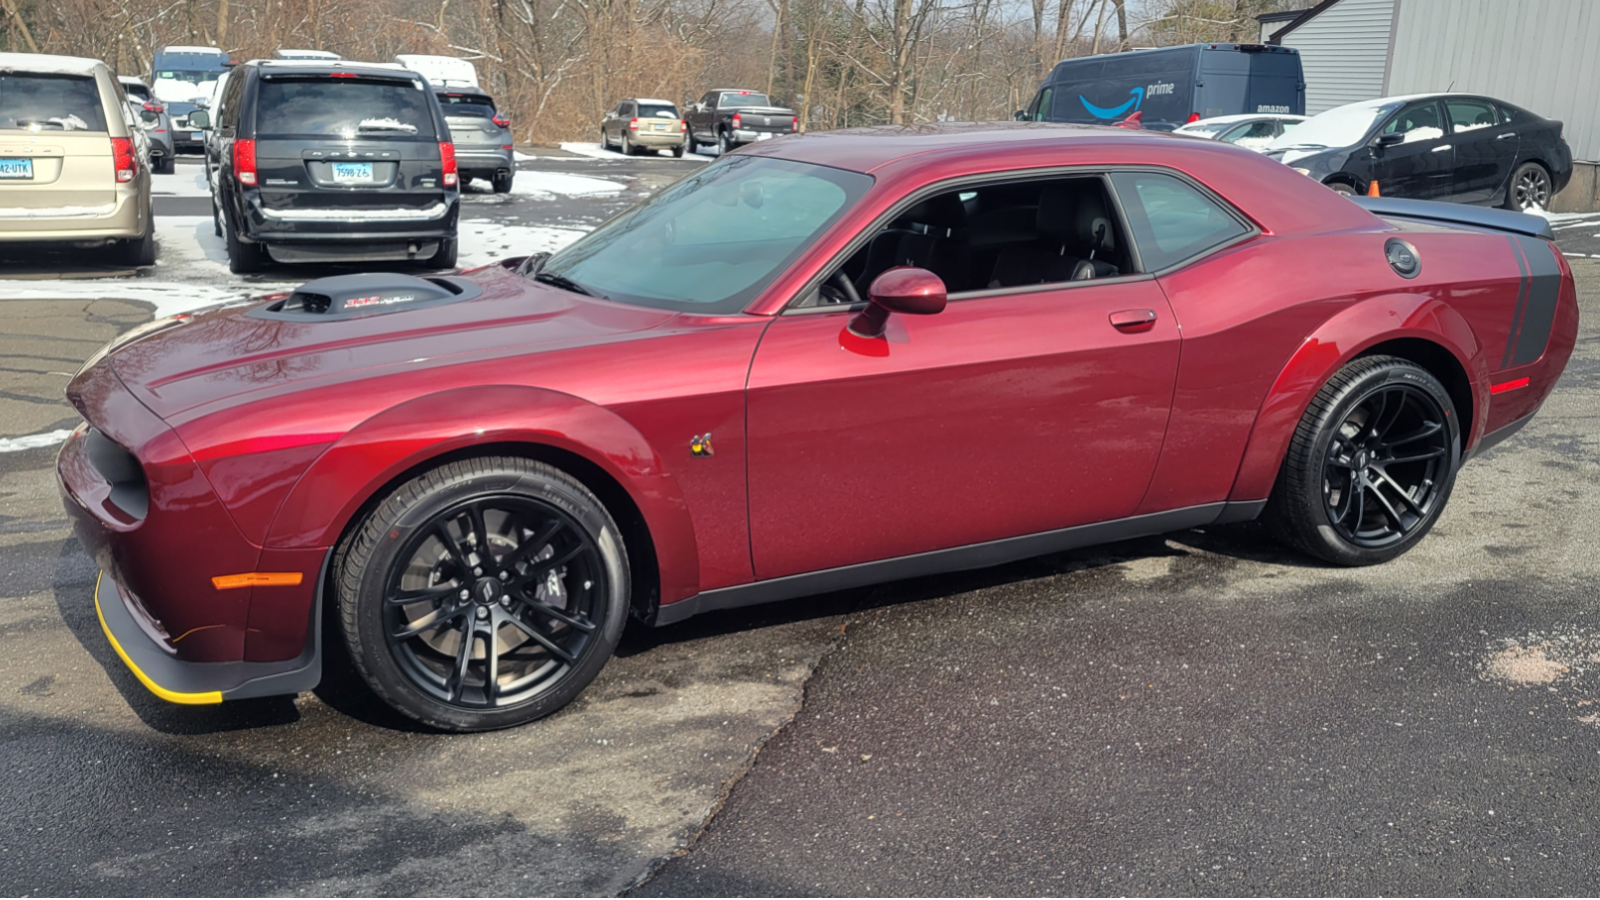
1371	464
483	594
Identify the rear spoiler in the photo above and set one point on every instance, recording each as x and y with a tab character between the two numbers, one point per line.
1456	214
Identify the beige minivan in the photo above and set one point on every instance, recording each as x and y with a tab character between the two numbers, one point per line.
71	167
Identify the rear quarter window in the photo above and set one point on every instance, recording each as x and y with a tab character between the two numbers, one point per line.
343	108
1172	221
42	103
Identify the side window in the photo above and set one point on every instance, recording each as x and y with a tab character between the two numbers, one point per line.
1511	115
1470	115
709	101
1171	220
997	235
1040	108
1417	123
228	116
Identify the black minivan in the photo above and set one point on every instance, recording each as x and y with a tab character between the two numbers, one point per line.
1171	86
333	162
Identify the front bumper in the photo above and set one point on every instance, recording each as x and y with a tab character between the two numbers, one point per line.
149	517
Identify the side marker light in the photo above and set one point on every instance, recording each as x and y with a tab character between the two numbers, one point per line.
1504	386
257	579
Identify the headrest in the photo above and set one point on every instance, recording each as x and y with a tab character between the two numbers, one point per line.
938	211
1074	214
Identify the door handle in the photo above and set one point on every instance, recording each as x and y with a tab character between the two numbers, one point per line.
1133	319
1509	134
1441	147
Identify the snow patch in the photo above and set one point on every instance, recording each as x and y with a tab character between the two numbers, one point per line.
33	441
484	241
401	214
168	297
595	151
56	212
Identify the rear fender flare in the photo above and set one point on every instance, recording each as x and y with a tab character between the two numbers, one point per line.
1346	335
401	439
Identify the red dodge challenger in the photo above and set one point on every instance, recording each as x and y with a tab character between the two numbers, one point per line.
822	362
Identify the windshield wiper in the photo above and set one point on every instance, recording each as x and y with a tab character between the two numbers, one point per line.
566	284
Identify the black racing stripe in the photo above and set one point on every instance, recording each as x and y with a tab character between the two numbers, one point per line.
1539	313
1516	311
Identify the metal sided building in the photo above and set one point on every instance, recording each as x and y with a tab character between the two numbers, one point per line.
1539	54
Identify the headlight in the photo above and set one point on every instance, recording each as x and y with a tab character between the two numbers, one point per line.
1306	172
131	335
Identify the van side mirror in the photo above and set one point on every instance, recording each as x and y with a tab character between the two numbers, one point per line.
200	119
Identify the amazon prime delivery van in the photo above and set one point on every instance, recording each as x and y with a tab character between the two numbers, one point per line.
1172	85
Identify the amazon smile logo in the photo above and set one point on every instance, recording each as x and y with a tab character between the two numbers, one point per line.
1135	100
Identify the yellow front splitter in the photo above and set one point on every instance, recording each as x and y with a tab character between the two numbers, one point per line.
202	698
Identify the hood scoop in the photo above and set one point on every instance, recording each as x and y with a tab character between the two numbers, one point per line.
358	296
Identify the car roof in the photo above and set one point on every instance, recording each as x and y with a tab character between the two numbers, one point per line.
733	91
48	64
329	66
1242	117
866	149
652	100
129	79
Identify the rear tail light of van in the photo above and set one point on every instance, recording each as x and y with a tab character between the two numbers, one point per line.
127	165
447	160
244	160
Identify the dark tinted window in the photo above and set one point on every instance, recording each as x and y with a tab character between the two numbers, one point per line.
50	103
479	105
1171	220
742	99
136	90
1470	115
664	111
1514	115
342	107
1419	122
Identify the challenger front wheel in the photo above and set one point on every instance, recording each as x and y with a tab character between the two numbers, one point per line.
483	594
1371	465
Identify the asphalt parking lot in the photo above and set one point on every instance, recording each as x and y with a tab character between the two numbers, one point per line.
1197	714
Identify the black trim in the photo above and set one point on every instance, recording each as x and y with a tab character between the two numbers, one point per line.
1458	214
956	559
1539	313
235	680
1490	440
1522	299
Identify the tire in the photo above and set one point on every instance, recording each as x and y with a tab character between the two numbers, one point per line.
464	181
605	142
725	144
445	256
165	166
565	578
1370	466
243	258
140	251
628	149
1530	188
503	185
1342	189
677	151
216	218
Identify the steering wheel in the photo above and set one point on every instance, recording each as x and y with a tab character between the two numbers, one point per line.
841	282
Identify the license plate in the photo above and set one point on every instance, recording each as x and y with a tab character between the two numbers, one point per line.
196	136
352	171
16	168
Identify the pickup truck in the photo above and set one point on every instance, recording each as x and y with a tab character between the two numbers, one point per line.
730	118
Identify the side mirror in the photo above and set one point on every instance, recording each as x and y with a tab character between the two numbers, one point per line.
200	119
903	289
1020	115
1390	140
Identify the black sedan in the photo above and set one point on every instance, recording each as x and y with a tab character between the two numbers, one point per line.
1458	147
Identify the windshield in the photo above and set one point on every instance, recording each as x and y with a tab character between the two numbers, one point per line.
190	76
50	103
321	106
738	99
1342	126
714	240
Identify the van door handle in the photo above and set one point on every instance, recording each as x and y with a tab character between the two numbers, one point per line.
1509	134
1441	147
1133	319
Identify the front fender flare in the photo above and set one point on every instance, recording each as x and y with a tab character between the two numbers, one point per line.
406	436
1349	333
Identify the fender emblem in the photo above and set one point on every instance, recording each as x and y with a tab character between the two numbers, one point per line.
701	445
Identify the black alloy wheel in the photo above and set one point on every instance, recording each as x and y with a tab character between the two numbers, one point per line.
1371	465
1530	188
484	594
